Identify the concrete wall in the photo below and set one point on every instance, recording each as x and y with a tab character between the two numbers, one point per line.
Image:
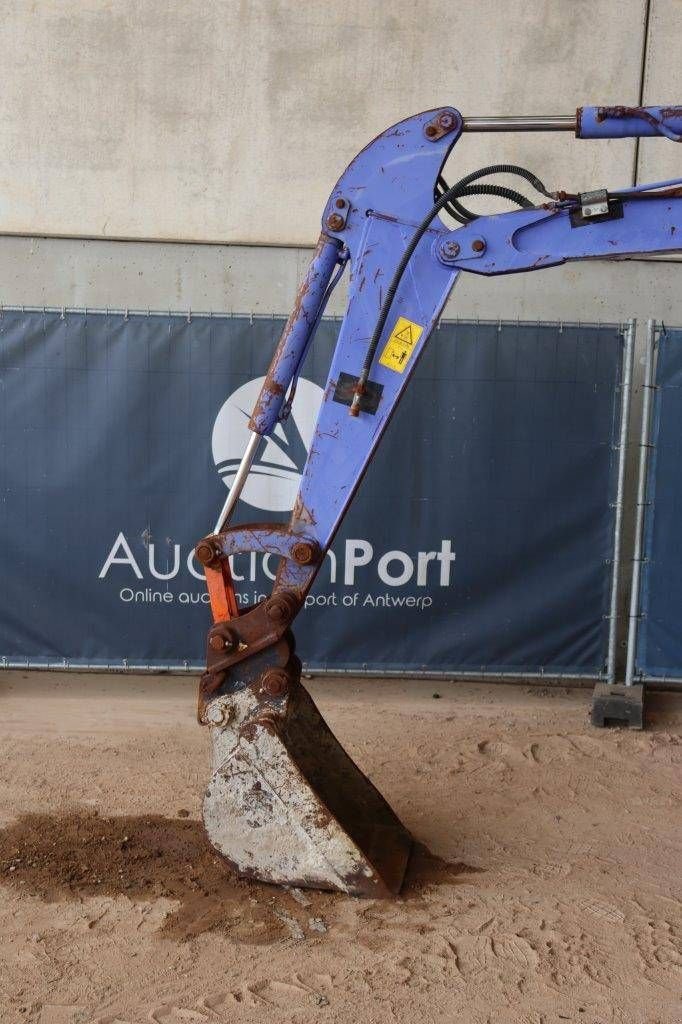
230	120
661	77
263	279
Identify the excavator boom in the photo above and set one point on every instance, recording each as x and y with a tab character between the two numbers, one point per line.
285	803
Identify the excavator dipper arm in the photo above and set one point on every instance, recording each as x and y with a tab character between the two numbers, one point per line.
285	802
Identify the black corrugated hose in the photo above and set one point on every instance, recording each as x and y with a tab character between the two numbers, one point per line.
446	199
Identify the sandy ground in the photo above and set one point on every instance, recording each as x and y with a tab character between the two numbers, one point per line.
560	899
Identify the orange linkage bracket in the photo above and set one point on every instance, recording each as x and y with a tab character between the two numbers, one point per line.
220	586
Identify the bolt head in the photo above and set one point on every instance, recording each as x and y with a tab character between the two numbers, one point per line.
217	642
281	608
303	552
335	222
277	612
275	682
451	248
205	552
446	119
215	714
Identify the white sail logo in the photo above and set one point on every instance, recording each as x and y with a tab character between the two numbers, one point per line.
275	476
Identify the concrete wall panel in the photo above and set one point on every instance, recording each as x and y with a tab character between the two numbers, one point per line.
658	158
230	121
264	279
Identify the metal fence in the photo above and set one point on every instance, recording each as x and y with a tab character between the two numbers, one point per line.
497	494
654	652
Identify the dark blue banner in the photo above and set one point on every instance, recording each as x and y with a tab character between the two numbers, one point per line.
659	636
481	538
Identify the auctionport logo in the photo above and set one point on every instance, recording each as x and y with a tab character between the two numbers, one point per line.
275	476
354	568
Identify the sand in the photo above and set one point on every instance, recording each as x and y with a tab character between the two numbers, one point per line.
547	886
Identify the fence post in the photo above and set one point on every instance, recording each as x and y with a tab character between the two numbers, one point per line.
626	388
641	500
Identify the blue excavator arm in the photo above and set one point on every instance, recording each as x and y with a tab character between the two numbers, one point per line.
285	803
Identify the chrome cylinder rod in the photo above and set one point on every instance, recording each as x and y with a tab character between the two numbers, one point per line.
520	124
239	481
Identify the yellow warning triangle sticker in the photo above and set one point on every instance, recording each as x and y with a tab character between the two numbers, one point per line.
405	335
400	345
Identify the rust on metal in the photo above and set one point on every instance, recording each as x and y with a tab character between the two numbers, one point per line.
222	639
302	514
208	686
314	819
442	124
214	682
275	682
282	607
206	552
621	112
304	552
336	221
254	630
263	625
271	386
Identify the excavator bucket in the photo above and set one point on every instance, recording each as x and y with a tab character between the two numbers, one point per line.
286	804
